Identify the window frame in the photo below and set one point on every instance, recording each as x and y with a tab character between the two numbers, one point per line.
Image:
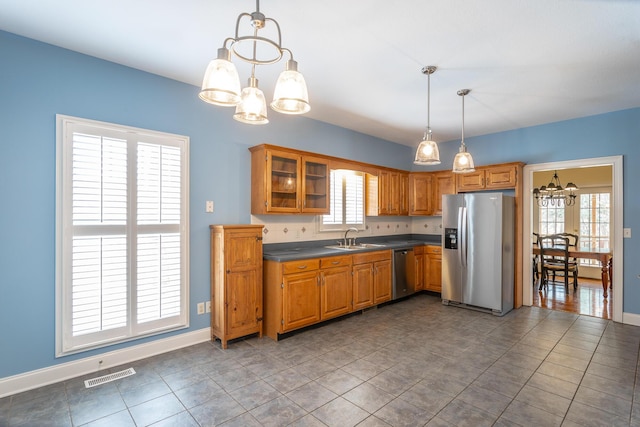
322	227
65	343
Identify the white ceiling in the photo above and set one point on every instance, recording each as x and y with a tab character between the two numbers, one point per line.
527	62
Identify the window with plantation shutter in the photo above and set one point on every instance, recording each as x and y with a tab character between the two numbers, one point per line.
346	201
122	235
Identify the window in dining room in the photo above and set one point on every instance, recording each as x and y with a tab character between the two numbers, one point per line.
595	221
551	218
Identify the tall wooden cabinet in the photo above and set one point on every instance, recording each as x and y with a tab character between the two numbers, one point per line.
236	281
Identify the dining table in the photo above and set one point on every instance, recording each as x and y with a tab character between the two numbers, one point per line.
604	256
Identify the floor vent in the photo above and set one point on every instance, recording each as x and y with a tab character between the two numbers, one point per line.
108	378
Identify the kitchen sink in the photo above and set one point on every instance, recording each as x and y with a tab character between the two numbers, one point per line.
356	246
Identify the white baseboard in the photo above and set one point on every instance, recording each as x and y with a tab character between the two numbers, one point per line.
631	319
64	371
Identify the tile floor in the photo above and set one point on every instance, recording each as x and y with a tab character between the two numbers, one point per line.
411	363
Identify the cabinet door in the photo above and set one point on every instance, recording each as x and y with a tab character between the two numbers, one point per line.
243	303
419	269
336	292
315	185
433	260
243	249
501	177
384	185
403	183
471	181
382	281
420	194
283	182
443	183
300	300
362	286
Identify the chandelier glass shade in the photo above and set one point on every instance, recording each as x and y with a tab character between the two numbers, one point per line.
427	152
553	194
252	108
221	83
463	162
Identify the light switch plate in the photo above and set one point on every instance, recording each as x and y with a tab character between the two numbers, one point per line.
626	233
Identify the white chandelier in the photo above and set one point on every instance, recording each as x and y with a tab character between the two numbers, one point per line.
553	194
221	84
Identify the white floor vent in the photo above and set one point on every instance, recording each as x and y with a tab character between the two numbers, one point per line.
108	378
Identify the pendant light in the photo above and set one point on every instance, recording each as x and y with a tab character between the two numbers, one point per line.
252	108
221	84
463	162
427	152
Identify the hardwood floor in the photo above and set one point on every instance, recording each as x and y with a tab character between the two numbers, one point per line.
586	300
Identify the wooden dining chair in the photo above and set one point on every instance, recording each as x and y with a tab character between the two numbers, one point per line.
535	262
558	262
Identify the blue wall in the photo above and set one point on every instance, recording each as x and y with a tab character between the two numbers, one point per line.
38	81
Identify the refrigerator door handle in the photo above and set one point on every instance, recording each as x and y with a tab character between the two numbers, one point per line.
462	226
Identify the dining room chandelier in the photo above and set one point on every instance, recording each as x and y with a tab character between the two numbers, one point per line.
553	194
427	152
221	83
463	162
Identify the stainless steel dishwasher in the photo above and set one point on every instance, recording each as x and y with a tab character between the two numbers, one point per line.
404	264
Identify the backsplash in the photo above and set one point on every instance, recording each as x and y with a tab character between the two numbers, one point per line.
291	228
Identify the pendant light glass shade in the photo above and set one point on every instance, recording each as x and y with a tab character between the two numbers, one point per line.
463	162
221	84
252	108
290	95
427	152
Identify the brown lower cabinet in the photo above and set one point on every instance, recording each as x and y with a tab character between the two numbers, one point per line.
433	268
304	292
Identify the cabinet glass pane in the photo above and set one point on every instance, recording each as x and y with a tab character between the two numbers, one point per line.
283	182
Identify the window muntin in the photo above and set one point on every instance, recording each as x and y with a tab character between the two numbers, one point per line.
595	223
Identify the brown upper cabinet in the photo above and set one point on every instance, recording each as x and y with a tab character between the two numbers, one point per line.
426	190
495	177
387	193
287	182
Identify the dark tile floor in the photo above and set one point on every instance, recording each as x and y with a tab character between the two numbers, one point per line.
412	363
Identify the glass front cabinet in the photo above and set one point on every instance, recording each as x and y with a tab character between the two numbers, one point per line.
288	182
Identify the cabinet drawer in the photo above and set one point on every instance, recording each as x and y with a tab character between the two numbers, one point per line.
335	261
365	257
433	250
299	266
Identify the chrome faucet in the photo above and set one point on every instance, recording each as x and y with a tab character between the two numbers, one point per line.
347	232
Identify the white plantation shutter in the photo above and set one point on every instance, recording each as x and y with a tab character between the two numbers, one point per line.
122	264
346	200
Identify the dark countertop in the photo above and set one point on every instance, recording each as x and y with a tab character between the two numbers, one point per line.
292	251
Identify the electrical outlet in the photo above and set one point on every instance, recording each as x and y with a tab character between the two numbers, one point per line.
209	206
208	306
200	308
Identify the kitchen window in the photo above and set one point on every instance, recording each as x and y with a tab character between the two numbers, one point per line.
122	233
346	201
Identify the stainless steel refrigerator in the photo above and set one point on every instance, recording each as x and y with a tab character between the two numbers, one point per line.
478	251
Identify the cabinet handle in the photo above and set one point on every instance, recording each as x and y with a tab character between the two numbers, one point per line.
302	267
335	262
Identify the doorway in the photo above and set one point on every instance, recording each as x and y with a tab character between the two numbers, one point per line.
616	228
